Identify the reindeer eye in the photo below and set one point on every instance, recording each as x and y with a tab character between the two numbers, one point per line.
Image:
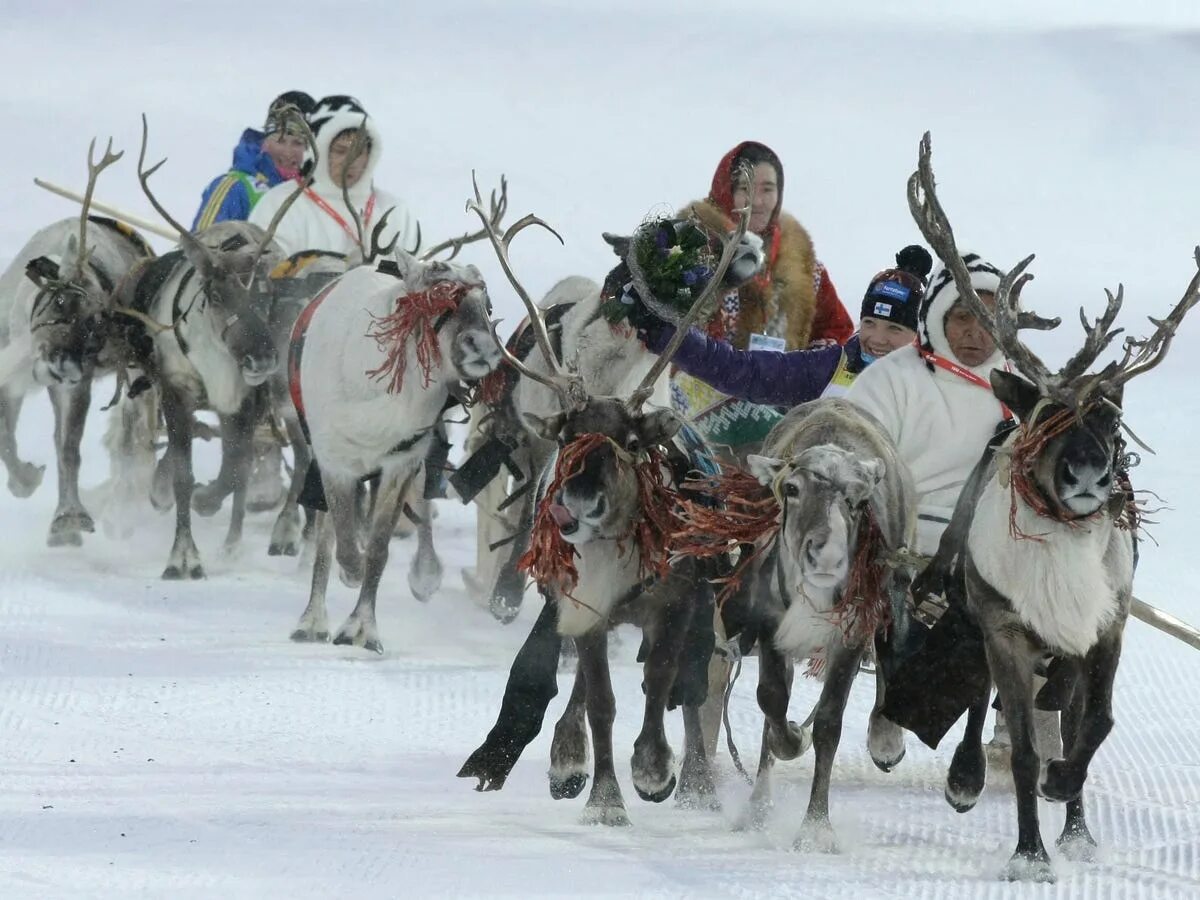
790	489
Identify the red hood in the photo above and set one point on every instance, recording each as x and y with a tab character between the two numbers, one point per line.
721	192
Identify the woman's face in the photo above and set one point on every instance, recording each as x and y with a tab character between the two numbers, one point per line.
969	341
339	153
762	195
879	337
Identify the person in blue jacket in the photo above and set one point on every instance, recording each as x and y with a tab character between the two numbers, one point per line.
261	160
888	321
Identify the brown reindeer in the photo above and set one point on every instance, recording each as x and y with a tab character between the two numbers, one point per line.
1043	542
606	508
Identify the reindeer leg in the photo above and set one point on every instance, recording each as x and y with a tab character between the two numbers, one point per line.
509	589
1011	659
238	449
344	502
605	805
425	573
885	739
569	751
184	561
1076	841
207	499
653	760
360	628
786	740
70	416
314	621
968	768
754	818
286	535
697	788
23	477
816	834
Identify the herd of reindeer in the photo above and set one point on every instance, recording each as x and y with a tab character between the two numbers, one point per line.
584	486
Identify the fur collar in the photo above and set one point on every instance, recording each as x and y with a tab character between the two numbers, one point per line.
791	285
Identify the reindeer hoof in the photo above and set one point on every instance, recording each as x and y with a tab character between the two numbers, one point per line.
24	479
64	539
183	573
816	837
656	796
568	788
612	816
965	780
503	609
308	636
286	548
1077	845
753	818
1029	867
1060	782
208	499
795	743
354	634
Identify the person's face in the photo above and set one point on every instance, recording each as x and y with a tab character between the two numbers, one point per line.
879	337
762	195
969	342
339	153
286	151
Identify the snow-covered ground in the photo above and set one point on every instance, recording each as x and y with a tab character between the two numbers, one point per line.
167	740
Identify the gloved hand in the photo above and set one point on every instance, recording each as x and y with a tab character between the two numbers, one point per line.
748	260
639	315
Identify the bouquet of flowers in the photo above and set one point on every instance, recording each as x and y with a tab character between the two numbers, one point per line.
676	261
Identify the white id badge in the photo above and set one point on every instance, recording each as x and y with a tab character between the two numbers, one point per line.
766	342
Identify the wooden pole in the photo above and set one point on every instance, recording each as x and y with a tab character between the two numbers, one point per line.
129	219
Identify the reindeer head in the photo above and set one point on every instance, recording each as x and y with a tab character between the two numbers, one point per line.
823	493
68	315
1065	457
463	322
596	494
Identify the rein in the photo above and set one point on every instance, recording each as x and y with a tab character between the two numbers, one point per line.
422	313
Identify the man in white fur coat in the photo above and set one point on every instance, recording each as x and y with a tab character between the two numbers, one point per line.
320	219
935	400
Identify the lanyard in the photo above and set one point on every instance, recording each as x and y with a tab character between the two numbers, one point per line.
336	216
966	374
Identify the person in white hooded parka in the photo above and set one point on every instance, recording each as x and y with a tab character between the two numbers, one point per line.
320	219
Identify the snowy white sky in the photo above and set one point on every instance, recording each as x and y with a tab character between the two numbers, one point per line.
1065	129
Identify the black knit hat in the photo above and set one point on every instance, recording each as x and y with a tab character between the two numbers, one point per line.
298	99
894	295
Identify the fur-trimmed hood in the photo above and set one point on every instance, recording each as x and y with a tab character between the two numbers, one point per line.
332	116
942	295
789	285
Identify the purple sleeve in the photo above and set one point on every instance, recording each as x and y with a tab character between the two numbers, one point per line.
760	376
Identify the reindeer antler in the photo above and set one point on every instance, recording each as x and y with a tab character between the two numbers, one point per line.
1007	318
361	139
144	178
94	170
729	248
568	385
377	250
1142	355
497	207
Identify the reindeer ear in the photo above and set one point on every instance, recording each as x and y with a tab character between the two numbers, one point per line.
546	427
619	243
40	269
874	470
658	427
765	468
1015	392
198	255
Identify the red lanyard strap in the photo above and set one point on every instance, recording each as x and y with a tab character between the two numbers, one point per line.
966	374
336	216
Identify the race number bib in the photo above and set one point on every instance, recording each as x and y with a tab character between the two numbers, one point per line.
766	342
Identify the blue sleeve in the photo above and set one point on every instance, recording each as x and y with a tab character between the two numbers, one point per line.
768	377
225	198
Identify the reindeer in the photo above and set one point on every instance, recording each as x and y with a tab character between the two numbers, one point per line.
605	512
59	327
609	360
210	348
1043	542
823	585
374	405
